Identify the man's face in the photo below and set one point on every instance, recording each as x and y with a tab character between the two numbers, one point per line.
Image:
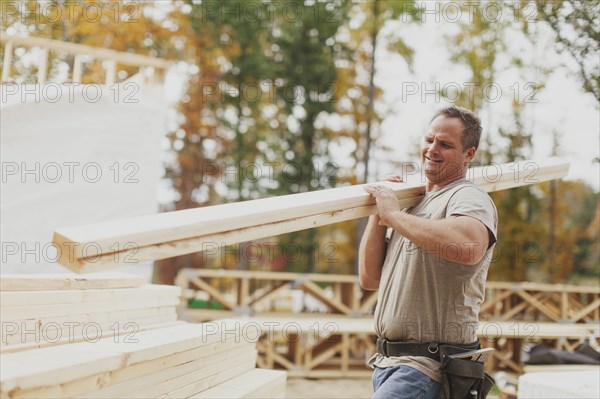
442	152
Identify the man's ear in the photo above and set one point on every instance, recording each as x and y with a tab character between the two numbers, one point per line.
471	154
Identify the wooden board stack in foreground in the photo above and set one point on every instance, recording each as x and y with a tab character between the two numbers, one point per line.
95	337
49	310
104	245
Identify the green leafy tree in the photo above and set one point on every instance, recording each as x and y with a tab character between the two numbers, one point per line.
576	25
478	45
306	71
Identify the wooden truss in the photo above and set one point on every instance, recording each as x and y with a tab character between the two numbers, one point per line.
336	344
541	302
338	347
240	292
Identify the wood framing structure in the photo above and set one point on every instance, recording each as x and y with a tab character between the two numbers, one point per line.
513	314
253	292
148	66
559	303
333	346
102	246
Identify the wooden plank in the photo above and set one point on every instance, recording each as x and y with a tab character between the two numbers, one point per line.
75	48
220	378
247	385
42	66
488	304
216	347
30	331
52	297
68	281
24	370
564	305
7	61
84	318
213	241
268	276
538	305
77	68
175	233
58	310
127	329
272	356
269	295
133	373
318	293
528	286
176	377
244	292
588	309
111	73
516	309
345	350
197	382
369	303
213	292
337	324
325	355
169	249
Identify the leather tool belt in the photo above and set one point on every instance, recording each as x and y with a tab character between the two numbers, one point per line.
426	349
461	378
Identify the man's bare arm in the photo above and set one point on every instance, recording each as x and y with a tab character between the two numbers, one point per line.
460	239
371	254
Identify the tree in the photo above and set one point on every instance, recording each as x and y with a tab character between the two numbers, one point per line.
576	25
199	139
574	251
479	45
305	66
358	119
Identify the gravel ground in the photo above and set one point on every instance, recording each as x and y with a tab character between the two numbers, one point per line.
358	388
298	388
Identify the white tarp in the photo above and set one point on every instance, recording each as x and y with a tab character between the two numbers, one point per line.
74	155
560	384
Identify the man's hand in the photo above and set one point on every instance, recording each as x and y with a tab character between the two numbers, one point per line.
387	204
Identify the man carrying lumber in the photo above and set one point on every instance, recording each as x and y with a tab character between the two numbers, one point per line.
431	270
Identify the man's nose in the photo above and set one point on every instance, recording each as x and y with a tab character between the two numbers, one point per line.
433	147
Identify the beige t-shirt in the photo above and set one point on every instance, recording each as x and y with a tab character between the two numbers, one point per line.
425	298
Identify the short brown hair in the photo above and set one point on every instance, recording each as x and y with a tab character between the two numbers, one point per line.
471	122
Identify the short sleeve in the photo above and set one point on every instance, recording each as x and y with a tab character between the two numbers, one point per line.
476	203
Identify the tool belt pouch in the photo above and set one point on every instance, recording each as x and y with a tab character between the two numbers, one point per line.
463	379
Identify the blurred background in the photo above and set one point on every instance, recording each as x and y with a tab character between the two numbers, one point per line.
239	100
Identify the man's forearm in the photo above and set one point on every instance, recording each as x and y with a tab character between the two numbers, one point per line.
371	254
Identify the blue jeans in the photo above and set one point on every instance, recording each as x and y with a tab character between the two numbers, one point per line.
403	382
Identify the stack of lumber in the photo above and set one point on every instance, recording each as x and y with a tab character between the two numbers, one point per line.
135	349
169	234
44	310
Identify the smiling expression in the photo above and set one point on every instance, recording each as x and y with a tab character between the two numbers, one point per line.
442	154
